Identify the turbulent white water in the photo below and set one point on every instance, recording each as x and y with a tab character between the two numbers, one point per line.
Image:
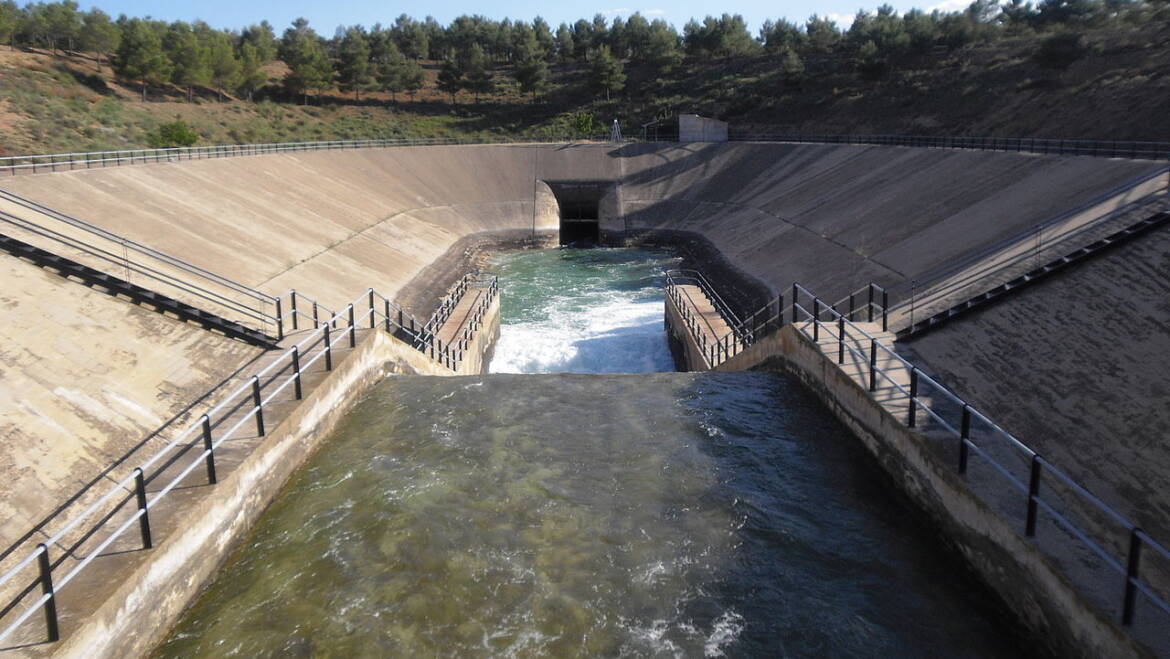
582	311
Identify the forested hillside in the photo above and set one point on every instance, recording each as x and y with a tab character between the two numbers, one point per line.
73	80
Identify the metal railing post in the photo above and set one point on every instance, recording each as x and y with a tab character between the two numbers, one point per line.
873	364
371	295
315	323
352	330
885	311
279	321
779	312
207	446
296	365
258	404
1033	495
328	350
386	313
840	340
46	580
964	435
795	299
1131	576
871	302
816	320
144	519
852	306
911	421
292	301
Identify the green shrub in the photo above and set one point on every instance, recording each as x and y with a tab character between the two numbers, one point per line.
175	133
1060	50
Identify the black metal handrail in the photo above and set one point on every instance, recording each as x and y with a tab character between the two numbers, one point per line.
228	298
696	278
201	436
133	245
1068	147
848	335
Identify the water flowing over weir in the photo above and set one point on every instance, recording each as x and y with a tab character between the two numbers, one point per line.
582	311
661	514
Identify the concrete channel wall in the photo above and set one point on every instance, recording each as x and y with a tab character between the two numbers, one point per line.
150	600
1036	591
84	377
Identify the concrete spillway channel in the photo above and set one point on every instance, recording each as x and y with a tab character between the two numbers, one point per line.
89	379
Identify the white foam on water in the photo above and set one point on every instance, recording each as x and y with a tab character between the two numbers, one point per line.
620	334
728	627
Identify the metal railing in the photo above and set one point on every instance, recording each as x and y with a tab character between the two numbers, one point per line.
452	353
1046	235
52	162
243	405
1076	519
723	347
172	276
870	301
1098	148
1073	512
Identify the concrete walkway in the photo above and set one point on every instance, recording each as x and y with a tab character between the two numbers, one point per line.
79	598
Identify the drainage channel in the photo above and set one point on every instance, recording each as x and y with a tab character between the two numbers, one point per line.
561	514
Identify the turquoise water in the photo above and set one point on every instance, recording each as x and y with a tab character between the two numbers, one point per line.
582	311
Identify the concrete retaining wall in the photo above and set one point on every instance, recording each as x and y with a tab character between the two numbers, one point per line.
1033	588
142	611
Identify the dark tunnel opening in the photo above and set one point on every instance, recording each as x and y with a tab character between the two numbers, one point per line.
579	204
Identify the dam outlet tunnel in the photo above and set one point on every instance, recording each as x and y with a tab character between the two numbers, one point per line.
581	205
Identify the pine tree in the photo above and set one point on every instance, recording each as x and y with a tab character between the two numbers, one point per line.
792	67
413	78
225	66
190	58
263	41
391	67
309	67
474	68
140	55
450	79
252	76
662	49
565	45
353	68
99	35
544	38
606	72
62	23
532	74
9	20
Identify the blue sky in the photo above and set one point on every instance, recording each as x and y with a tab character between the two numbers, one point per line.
326	16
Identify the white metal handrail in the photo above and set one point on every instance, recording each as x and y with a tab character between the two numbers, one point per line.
86	160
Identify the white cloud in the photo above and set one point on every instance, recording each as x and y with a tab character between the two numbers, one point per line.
949	5
843	21
616	12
